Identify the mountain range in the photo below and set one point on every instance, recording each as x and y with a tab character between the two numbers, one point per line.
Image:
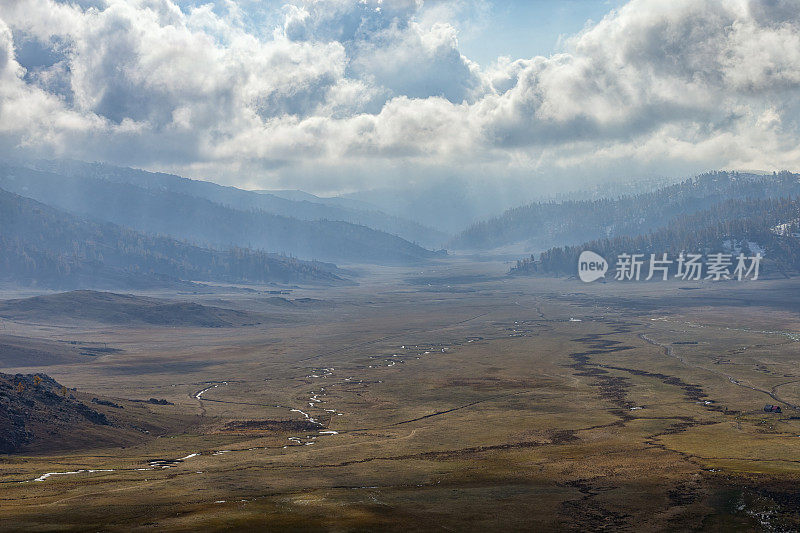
768	227
168	205
539	226
44	246
294	204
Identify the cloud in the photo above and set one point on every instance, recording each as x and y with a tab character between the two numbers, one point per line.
361	92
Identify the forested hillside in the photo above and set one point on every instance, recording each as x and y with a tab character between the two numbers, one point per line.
42	246
544	225
767	226
183	216
302	206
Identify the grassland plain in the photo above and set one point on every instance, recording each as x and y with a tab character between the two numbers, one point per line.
407	403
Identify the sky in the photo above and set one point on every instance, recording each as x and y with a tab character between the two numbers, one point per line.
341	95
523	29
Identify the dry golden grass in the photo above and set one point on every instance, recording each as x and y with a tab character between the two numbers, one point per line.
478	409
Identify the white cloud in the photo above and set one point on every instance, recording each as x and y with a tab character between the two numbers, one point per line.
356	91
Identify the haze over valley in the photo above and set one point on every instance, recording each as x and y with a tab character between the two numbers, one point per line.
455	265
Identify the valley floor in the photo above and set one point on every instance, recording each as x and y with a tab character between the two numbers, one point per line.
434	401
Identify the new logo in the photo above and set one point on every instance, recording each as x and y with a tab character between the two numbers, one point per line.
591	266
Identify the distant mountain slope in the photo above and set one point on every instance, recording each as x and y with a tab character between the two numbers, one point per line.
337	201
122	309
295	204
768	226
448	206
452	204
183	216
41	245
543	225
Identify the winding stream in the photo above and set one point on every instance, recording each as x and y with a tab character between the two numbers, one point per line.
315	401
